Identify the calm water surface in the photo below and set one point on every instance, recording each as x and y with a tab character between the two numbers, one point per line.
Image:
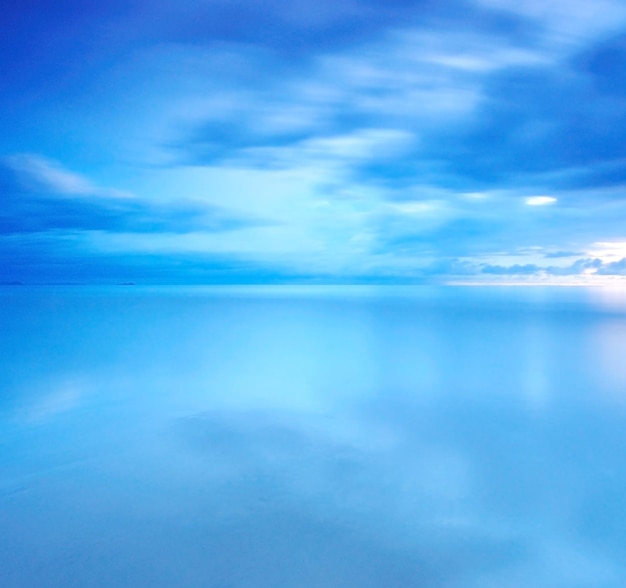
312	437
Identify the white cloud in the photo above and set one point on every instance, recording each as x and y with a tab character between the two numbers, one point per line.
608	251
540	200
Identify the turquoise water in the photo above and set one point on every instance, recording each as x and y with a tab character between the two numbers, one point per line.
388	437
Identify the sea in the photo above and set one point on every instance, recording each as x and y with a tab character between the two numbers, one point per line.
312	437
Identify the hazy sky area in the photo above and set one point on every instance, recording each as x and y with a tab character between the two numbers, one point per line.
378	140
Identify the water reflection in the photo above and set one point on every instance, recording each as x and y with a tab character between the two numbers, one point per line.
343	437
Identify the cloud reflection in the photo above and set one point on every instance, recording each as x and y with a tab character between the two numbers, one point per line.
372	437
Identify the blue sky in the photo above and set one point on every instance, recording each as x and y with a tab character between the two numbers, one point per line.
352	141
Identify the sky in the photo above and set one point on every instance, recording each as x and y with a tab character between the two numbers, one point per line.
371	141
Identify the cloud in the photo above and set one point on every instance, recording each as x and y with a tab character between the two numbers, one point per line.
559	254
604	174
37	173
581	267
303	28
41	196
478	109
411	79
540	200
515	270
614	268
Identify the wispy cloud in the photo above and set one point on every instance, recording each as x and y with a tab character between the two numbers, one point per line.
40	196
38	173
